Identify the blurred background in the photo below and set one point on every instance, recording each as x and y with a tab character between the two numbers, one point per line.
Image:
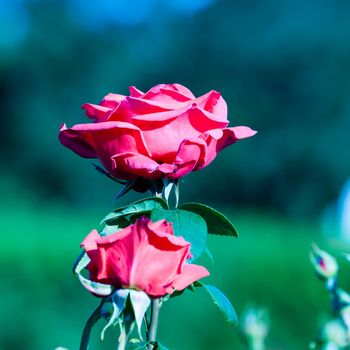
283	69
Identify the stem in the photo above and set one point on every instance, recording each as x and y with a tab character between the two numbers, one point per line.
152	330
95	316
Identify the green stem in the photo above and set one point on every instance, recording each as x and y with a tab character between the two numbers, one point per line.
152	331
95	316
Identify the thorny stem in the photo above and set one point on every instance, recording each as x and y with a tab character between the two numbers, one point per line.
152	330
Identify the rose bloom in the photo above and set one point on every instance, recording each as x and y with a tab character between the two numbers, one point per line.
164	133
144	256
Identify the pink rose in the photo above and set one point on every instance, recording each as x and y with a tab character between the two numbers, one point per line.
144	256
165	132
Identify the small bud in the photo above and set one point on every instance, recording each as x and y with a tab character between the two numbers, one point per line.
324	264
255	324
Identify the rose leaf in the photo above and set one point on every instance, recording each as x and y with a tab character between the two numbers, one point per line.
221	301
218	223
140	207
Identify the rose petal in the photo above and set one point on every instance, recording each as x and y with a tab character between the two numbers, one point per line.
89	243
183	90
139	106
165	227
190	156
163	232
212	102
76	143
120	113
217	140
134	92
111	268
167	93
203	121
216	105
190	273
216	133
90	246
174	95
103	140
135	164
112	100
170	128
166	168
242	132
96	111
155	120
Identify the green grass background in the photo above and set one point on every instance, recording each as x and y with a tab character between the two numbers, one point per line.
44	306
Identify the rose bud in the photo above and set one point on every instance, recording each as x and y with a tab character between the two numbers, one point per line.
255	324
145	256
324	264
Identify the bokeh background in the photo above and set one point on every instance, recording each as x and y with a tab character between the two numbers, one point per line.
282	67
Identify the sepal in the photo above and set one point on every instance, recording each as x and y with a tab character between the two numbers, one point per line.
96	288
126	307
80	263
117	303
140	302
99	289
169	187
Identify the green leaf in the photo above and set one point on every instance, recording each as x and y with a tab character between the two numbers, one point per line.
189	225
221	301
108	230
141	207
218	223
